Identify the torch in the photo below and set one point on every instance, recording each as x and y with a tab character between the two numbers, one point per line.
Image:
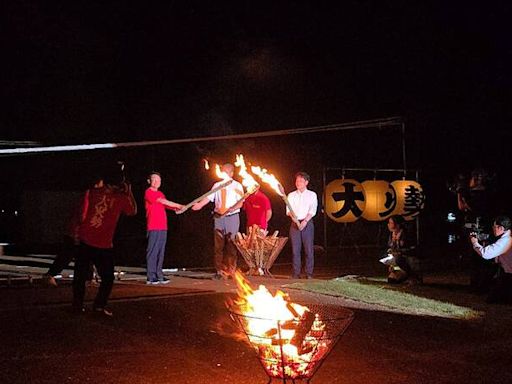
247	181
221	175
271	180
245	196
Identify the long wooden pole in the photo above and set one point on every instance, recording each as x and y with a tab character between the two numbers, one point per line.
292	213
245	196
198	199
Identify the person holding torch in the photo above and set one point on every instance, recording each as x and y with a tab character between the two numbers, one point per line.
227	221
303	203
156	219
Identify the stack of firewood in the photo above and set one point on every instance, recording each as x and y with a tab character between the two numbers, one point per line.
259	250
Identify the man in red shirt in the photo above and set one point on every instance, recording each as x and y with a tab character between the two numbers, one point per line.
156	203
258	210
102	208
69	247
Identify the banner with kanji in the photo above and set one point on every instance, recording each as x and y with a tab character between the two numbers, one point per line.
346	200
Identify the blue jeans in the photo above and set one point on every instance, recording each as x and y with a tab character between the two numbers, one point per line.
155	254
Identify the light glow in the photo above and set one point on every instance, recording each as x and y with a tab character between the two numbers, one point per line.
269	178
221	174
248	180
275	328
58	148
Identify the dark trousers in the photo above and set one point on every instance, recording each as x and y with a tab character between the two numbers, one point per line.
404	262
103	259
225	252
66	253
482	273
501	290
155	254
303	239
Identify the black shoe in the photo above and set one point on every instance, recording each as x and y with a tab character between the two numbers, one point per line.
103	311
164	281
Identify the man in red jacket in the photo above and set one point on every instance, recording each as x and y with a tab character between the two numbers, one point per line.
102	208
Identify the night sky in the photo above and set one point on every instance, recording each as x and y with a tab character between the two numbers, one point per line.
94	72
89	71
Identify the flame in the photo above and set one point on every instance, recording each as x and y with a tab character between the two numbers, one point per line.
269	178
206	164
273	325
247	180
221	174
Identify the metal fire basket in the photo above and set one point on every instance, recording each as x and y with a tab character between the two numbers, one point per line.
295	358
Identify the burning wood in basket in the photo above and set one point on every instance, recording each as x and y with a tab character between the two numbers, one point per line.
259	250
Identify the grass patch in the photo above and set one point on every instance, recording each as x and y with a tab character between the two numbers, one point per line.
380	293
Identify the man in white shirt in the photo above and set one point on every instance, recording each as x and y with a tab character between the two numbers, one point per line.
501	252
304	204
226	225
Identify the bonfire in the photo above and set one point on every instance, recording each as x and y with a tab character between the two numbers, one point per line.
291	340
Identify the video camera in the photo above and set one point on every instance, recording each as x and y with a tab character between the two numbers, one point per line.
115	176
477	230
458	184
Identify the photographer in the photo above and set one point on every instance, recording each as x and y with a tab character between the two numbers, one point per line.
102	207
475	201
70	242
501	252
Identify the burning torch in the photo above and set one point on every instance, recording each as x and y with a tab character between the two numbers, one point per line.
248	182
221	175
271	180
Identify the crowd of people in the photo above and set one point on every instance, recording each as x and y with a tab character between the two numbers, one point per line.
89	235
89	238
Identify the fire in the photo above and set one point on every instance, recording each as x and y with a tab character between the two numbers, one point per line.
206	164
247	180
269	178
287	336
220	174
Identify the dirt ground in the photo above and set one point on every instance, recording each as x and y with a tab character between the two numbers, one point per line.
182	333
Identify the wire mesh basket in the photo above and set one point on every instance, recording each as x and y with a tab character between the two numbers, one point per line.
294	349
